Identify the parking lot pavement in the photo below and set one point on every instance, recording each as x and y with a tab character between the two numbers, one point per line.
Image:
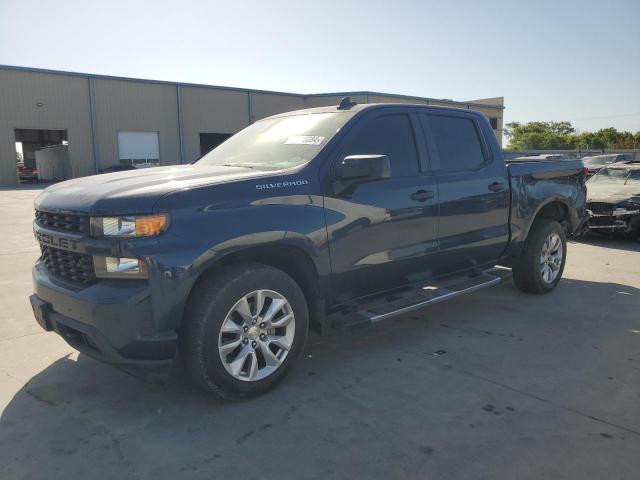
522	386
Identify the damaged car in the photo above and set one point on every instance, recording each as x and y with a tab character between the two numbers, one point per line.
613	200
596	163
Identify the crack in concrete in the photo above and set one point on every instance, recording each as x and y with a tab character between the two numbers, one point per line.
34	395
6	372
545	400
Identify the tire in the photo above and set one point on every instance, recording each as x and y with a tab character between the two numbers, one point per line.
217	300
528	272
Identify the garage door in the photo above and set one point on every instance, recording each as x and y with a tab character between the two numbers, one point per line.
138	148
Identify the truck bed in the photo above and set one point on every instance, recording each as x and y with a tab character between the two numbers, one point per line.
558	167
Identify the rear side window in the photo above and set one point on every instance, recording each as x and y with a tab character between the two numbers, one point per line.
457	142
389	135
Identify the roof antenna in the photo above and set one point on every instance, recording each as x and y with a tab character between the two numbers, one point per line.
346	103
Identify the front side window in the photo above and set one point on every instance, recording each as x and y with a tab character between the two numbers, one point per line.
277	143
389	135
457	142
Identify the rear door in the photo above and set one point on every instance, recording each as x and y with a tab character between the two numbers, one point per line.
473	189
382	233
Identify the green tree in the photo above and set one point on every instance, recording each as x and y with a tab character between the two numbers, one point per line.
562	136
540	135
588	140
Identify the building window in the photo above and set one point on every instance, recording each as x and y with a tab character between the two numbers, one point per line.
494	123
141	149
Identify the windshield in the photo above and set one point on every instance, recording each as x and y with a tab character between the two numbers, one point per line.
618	176
597	160
278	143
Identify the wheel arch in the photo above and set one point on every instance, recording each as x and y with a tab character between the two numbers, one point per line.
554	209
291	258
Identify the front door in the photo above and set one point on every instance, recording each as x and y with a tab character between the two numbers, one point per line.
382	233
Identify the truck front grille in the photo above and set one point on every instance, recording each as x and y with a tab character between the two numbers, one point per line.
600	208
602	221
68	265
66	223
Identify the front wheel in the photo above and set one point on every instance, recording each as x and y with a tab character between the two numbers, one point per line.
539	266
244	327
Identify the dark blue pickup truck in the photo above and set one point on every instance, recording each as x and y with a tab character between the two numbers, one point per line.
320	218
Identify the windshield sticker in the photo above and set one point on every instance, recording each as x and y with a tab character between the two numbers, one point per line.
304	140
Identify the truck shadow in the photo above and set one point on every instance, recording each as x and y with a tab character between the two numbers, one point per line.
84	417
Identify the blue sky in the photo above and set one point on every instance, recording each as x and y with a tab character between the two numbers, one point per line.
551	60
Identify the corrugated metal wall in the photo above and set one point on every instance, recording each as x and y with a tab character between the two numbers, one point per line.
48	102
136	107
266	104
210	110
93	109
326	100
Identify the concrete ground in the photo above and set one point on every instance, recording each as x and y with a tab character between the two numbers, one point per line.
524	386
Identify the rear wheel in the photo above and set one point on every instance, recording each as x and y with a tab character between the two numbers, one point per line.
539	266
243	329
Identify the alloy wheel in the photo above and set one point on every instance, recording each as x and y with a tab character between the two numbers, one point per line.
551	257
256	335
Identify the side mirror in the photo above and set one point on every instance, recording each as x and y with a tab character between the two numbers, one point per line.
363	168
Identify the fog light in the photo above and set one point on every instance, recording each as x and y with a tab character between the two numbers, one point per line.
119	267
115	264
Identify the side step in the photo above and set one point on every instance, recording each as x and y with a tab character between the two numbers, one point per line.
394	304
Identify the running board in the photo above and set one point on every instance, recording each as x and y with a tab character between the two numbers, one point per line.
391	305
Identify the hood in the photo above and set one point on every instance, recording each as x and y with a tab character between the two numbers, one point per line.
614	194
133	191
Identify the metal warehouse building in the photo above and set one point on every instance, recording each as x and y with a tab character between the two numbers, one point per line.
99	121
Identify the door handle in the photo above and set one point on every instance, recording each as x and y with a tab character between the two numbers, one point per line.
422	195
497	187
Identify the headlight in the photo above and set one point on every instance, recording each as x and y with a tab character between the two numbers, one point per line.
119	267
626	210
129	226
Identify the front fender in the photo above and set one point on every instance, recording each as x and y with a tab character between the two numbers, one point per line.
177	285
203	233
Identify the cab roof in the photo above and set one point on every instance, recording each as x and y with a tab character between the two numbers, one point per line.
360	107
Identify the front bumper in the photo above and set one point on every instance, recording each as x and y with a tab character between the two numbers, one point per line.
620	220
110	320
